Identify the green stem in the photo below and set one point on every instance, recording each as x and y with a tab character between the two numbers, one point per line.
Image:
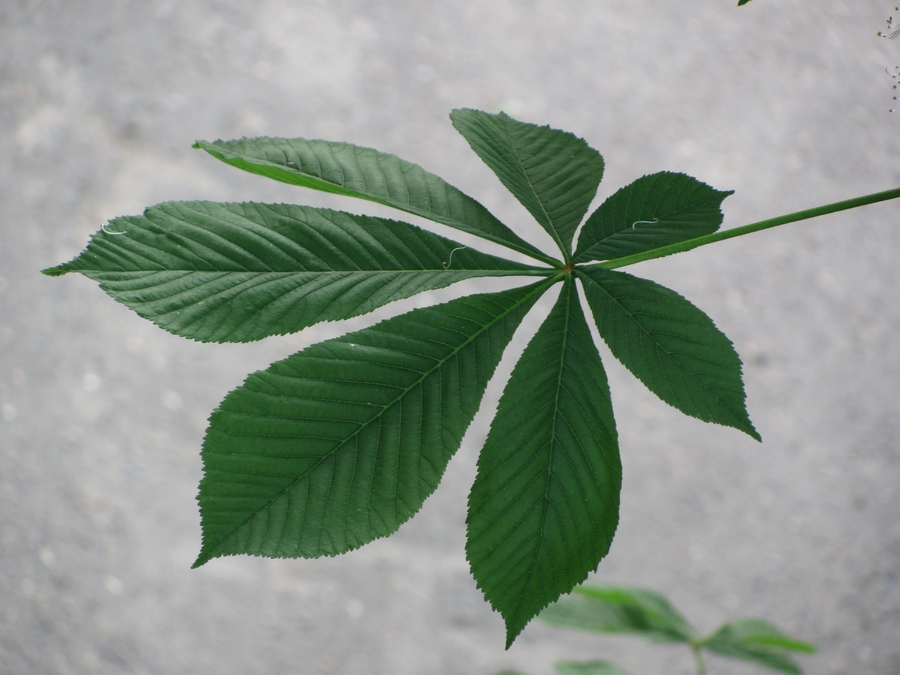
747	229
698	659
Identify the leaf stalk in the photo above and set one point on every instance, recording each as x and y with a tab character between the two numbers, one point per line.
690	244
698	658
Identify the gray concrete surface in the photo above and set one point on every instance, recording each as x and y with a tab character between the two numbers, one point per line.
103	414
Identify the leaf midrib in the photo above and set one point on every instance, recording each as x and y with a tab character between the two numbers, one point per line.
537	289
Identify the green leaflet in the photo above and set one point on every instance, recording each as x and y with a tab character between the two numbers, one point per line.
759	642
654	211
580	668
544	506
239	272
620	610
354	171
742	2
670	345
588	668
758	632
341	443
553	173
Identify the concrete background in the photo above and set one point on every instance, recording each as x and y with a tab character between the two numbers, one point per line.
103	414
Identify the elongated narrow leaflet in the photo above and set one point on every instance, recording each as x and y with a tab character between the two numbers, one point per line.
588	668
341	443
354	171
759	642
239	272
553	173
654	211
545	503
669	345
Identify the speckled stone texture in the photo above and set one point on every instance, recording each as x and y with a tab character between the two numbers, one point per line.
103	414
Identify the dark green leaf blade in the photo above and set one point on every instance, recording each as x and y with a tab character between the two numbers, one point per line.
365	173
545	503
656	210
341	443
742	2
553	173
615	609
759	642
588	668
240	272
669	345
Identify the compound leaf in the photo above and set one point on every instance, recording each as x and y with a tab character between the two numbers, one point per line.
341	443
239	272
611	609
588	668
759	642
670	345
554	174
545	502
365	173
656	210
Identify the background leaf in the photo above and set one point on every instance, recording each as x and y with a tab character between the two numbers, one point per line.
554	174
656	210
240	272
341	443
354	171
588	668
611	609
545	503
669	345
759	642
